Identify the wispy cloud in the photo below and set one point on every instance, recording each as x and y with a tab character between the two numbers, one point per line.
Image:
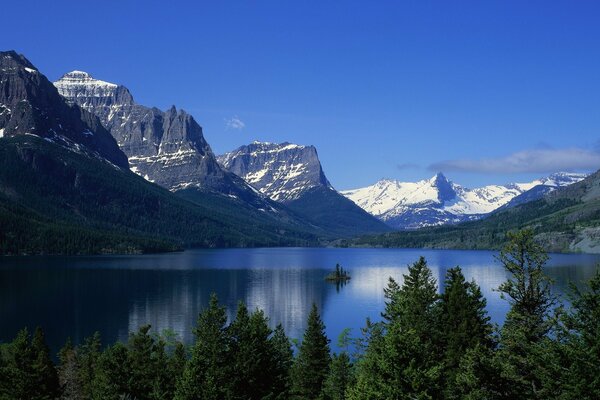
234	123
404	166
541	160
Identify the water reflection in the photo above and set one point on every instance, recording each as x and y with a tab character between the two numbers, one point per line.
115	295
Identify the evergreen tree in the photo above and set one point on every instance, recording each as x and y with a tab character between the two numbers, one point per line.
177	362
283	358
147	361
581	352
410	354
463	321
371	377
112	374
88	354
69	373
339	378
44	377
253	355
482	374
17	369
528	321
207	374
312	363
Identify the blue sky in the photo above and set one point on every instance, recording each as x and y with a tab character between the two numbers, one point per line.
486	91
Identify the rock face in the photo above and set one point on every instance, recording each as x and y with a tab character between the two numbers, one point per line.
30	104
438	201
283	171
292	174
165	147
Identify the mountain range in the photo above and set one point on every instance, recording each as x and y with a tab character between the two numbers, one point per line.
66	187
566	219
439	201
168	148
292	174
84	169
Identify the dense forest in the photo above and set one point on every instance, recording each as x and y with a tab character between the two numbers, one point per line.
427	346
56	201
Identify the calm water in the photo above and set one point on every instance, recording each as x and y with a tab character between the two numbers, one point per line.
75	296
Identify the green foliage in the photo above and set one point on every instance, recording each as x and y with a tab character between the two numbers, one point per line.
27	369
463	321
312	363
580	351
339	378
402	361
528	322
206	375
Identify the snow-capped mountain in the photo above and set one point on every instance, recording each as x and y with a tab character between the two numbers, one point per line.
438	201
30	105
165	147
281	171
292	174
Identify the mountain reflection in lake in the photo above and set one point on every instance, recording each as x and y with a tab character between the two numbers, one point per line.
75	296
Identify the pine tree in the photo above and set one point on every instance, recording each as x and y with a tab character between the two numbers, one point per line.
529	321
370	377
339	378
112	374
88	354
207	374
463	323
581	351
404	362
147	362
44	380
312	363
69	373
252	355
17	370
283	358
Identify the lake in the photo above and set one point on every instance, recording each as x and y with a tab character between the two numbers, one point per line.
76	296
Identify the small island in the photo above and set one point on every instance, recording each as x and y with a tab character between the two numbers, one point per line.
338	276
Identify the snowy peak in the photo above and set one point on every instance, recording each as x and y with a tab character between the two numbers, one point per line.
165	147
281	171
30	104
437	201
444	188
90	92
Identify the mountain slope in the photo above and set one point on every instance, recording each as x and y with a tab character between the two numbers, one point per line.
438	201
65	187
565	220
53	200
165	147
292	174
29	104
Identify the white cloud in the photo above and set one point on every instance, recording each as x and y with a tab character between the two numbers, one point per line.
234	123
527	161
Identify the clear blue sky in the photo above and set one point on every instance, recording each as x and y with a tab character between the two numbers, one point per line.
486	91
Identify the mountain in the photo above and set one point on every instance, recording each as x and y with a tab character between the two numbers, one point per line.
29	104
165	147
438	201
65	187
565	220
292	174
283	171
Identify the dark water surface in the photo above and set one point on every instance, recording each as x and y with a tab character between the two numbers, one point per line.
76	296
